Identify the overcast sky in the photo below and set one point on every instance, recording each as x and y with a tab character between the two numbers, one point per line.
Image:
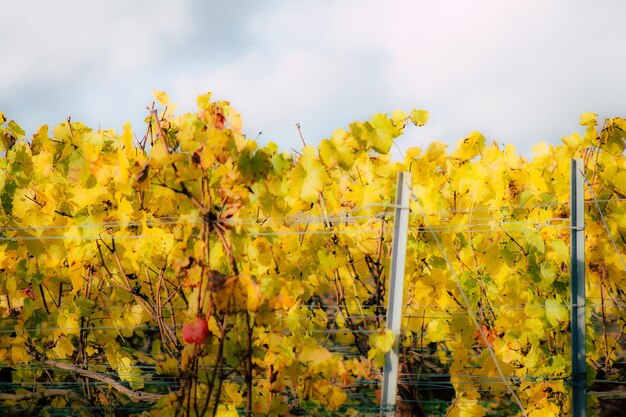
521	72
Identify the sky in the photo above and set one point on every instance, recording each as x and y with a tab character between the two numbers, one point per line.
520	72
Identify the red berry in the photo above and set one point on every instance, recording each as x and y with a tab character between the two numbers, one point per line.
29	293
196	332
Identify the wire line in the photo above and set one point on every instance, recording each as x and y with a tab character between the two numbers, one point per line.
470	311
606	226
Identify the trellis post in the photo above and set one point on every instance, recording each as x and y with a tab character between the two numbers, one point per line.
577	282
395	293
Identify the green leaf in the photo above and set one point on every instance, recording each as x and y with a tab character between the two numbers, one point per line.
85	305
16	130
533	238
254	165
8	191
547	271
613	136
37	278
561	250
556	311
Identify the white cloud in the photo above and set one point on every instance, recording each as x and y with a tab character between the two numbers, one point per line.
518	71
58	41
269	91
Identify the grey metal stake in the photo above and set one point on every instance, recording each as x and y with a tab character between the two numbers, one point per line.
577	280
396	290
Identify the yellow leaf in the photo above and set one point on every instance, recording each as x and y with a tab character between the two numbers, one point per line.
376	356
315	178
341	149
399	117
618	182
419	117
550	410
18	350
413	152
255	298
614	136
237	293
161	97
541	149
588	119
337	397
136	314
68	322
328	262
383	341
169	367
82	197
64	348
556	311
92	145
437	330
469	147
159	153
260	406
55	254
236	124
312	352
204	101
536	326
226	411
77	279
253	293
534	239
466	407
573	141
385	132
124	211
127	137
435	150
233	392
130	373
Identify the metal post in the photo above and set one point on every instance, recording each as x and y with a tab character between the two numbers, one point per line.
577	279
396	290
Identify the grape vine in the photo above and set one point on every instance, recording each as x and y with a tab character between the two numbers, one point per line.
196	273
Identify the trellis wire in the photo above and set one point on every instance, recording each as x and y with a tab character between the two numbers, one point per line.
473	378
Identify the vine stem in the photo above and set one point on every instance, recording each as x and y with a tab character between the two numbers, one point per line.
135	396
300	134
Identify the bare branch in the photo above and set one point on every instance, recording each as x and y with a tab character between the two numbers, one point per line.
134	396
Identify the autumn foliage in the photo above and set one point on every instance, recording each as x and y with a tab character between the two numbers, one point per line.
194	272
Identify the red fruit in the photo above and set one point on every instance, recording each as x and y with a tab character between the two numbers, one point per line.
196	332
29	293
